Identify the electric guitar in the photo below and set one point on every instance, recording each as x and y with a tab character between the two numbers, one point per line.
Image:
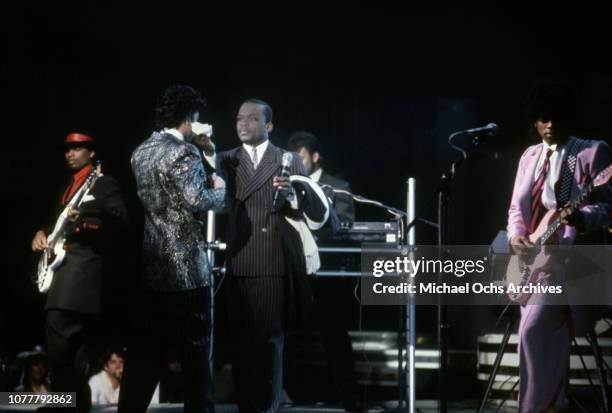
524	270
53	256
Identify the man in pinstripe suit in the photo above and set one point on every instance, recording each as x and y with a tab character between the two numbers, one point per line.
265	260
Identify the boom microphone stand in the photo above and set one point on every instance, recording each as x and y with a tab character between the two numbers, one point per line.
443	193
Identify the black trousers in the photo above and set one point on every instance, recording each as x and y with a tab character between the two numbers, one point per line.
69	334
256	317
179	321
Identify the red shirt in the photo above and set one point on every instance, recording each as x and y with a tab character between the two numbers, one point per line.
77	180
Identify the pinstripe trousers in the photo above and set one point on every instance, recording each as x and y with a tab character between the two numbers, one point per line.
256	317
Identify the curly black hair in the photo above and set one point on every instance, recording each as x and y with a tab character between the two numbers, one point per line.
177	104
553	100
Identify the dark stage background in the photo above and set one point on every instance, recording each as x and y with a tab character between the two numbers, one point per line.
382	86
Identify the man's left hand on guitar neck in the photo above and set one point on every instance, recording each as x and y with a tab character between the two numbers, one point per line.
572	217
73	214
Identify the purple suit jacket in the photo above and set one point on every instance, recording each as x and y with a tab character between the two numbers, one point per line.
591	160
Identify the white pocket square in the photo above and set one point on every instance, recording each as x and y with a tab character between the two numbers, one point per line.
87	198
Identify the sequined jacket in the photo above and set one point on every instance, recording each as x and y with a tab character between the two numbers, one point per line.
172	188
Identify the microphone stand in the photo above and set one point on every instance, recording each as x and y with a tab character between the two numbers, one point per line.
443	195
406	377
361	199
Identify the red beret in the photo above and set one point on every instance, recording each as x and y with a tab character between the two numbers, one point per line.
78	138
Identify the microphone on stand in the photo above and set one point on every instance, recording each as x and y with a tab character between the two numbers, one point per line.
491	129
285	165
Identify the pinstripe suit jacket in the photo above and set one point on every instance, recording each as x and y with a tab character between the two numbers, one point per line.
257	237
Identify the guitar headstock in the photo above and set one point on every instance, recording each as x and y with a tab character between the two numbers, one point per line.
603	177
95	172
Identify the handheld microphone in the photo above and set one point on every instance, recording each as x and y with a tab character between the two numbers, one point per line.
491	129
285	165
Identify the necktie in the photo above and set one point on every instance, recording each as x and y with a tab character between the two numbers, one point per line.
537	209
254	157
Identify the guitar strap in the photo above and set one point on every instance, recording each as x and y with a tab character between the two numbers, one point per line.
566	180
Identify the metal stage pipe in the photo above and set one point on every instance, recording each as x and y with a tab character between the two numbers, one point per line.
211	231
411	308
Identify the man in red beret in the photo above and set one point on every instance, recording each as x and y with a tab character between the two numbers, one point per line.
74	297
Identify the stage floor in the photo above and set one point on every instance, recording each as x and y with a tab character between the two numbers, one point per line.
423	406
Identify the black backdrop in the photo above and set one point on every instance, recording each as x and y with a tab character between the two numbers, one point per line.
382	85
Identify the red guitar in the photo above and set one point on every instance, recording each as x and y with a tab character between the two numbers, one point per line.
524	269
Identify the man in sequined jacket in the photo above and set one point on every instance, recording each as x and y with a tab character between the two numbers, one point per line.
175	285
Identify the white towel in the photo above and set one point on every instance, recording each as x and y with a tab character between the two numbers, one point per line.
311	251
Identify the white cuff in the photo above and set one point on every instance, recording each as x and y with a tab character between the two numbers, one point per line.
212	160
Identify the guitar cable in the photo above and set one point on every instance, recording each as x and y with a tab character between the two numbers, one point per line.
508	396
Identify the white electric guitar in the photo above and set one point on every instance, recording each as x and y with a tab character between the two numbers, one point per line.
53	256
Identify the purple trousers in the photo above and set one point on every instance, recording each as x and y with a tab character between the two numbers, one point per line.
545	334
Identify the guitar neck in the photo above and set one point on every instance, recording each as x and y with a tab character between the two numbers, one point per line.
575	203
78	197
75	202
62	221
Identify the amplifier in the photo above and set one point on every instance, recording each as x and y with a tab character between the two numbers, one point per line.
341	253
358	232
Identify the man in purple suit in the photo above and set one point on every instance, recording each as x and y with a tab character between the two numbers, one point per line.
550	174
